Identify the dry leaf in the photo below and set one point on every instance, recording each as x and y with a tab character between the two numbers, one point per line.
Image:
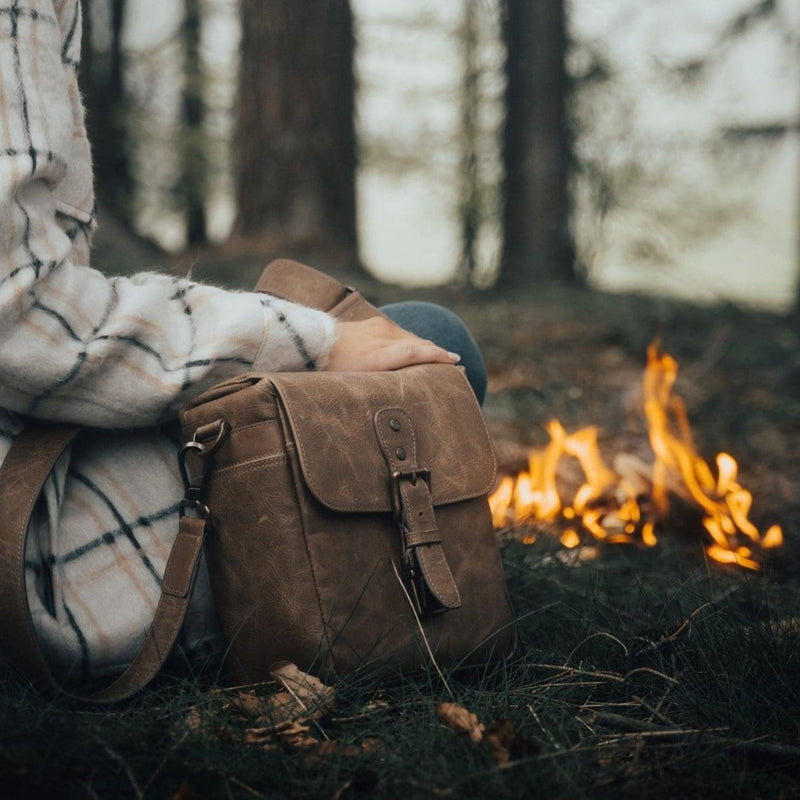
291	732
190	722
305	698
371	744
460	720
506	744
500	738
307	689
298	736
248	704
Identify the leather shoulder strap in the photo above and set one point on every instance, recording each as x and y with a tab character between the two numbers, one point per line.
291	280
22	476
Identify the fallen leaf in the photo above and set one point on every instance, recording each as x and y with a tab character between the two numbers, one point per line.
248	704
506	744
371	744
500	736
305	688
304	698
460	720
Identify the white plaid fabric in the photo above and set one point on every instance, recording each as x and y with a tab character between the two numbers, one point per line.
120	355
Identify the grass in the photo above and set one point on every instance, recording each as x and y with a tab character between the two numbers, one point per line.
638	674
641	674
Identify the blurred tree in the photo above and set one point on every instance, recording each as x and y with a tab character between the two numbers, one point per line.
470	194
103	87
536	145
295	141
191	188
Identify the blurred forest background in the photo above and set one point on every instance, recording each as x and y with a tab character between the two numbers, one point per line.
490	143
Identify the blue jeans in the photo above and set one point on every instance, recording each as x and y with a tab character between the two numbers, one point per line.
443	327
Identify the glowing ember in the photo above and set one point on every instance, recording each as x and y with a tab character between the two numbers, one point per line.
623	505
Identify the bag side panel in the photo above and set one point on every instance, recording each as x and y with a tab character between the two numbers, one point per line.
259	565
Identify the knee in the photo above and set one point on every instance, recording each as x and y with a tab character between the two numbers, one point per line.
445	328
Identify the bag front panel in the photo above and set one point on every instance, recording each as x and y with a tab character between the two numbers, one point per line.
356	561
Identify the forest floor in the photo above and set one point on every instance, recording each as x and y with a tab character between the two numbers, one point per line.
644	672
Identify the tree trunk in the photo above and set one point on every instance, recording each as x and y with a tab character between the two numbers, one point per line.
295	140
191	191
470	195
104	93
536	146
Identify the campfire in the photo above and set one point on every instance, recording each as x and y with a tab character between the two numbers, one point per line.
631	502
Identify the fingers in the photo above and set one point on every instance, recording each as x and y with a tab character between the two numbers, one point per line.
407	353
377	344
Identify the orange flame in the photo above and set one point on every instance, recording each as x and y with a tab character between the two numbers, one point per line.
607	506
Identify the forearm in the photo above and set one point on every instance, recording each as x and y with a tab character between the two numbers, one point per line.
127	352
76	345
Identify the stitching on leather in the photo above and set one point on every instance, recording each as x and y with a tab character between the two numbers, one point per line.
251	464
253	425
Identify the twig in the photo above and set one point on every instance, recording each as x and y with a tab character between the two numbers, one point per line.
544	730
621	722
675	733
239	783
671	637
654	711
593	636
609	676
644	728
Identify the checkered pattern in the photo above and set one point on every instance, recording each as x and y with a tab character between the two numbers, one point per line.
115	354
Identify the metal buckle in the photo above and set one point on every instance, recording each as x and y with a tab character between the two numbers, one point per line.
412	475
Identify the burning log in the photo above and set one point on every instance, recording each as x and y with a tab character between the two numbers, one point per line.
626	504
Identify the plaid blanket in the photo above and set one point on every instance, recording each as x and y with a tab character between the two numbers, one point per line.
120	355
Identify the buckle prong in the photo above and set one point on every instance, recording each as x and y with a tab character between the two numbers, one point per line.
406	474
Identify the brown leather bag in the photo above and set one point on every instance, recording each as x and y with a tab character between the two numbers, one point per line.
350	525
344	515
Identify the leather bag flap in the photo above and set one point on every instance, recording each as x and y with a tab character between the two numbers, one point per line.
331	417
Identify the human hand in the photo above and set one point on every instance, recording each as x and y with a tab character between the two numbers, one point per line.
376	344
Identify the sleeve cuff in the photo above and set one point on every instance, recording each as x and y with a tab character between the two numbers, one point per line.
295	337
